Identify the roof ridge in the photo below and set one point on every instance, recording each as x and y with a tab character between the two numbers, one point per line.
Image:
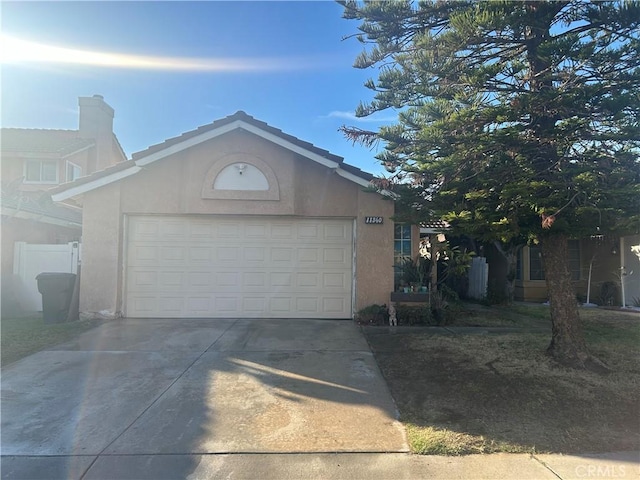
242	116
42	129
140	159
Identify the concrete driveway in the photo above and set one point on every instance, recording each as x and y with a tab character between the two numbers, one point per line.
137	395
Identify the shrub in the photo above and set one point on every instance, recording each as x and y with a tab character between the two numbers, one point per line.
373	315
496	295
413	315
608	293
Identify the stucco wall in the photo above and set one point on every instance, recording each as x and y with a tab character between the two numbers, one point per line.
631	263
174	185
101	250
374	247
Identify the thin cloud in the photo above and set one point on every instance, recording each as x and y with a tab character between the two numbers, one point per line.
351	116
16	50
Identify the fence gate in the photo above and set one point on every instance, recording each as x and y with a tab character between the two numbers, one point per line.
31	259
478	278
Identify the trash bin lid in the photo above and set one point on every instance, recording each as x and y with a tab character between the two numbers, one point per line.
44	275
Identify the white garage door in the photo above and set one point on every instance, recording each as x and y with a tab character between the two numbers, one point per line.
202	266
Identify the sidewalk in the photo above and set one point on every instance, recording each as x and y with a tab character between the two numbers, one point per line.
347	466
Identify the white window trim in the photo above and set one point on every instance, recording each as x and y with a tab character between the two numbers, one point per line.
40	182
74	165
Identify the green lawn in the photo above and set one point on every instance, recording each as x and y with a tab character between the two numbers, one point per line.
20	337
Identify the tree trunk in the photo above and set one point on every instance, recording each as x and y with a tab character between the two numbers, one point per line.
510	254
434	265
510	286
567	346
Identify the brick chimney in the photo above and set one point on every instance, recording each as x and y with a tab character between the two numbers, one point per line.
96	122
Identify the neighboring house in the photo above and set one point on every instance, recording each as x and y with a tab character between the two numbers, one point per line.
606	257
233	219
34	160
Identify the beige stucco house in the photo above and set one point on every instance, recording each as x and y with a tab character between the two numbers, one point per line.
598	266
608	261
233	219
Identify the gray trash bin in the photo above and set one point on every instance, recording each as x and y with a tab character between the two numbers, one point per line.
56	289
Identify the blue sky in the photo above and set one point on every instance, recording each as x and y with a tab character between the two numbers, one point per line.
285	63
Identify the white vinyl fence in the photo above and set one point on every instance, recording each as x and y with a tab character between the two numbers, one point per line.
478	278
30	260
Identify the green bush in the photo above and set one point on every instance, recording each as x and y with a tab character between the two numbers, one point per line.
413	315
608	293
373	315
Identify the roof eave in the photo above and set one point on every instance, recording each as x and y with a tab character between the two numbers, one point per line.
141	160
74	191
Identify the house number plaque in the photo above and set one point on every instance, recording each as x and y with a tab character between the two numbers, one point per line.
373	220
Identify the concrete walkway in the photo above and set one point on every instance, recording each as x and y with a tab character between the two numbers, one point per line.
237	399
326	466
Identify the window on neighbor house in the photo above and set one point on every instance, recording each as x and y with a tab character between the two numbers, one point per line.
73	171
401	249
519	265
41	171
536	271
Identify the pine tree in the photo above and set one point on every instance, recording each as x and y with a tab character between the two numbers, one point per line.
516	119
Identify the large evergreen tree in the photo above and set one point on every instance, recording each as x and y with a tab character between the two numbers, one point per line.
516	119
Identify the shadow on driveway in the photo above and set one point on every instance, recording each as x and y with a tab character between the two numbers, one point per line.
133	392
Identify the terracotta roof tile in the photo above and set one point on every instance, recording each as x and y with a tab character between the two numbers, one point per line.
28	140
435	225
40	204
239	115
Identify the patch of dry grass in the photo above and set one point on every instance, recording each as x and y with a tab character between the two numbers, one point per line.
26	335
500	393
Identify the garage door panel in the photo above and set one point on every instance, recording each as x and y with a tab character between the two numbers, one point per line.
334	256
173	230
228	279
145	255
281	255
332	280
199	230
337	232
228	230
227	253
280	305
254	254
228	306
200	255
308	255
282	232
308	279
257	231
256	280
145	229
307	305
254	267
171	306
198	305
307	233
333	304
255	305
144	304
